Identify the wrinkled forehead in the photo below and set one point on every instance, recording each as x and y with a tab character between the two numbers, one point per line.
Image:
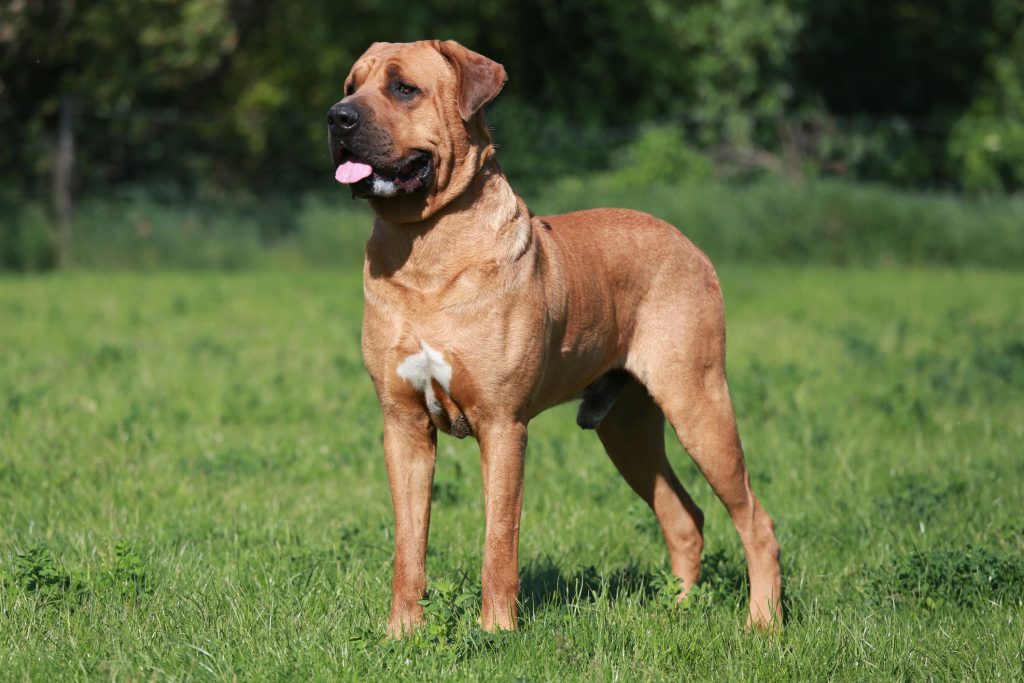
418	63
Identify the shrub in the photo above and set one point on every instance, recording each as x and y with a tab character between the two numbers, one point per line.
989	151
660	155
29	240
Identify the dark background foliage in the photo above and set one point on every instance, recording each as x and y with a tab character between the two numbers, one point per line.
191	102
232	92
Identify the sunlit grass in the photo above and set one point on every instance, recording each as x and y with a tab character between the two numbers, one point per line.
191	484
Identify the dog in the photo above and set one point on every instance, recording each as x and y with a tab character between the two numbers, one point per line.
479	315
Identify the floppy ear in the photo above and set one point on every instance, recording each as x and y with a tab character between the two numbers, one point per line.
479	79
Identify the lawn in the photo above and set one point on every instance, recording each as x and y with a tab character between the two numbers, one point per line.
192	486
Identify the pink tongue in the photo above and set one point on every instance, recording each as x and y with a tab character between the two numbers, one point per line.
352	172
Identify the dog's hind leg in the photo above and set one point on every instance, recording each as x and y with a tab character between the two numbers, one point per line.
632	432
686	375
706	427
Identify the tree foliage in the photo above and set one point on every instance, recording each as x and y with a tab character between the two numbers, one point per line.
206	95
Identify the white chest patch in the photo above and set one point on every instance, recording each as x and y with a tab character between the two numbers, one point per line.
419	368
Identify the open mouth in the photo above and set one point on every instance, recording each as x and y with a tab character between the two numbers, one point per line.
402	177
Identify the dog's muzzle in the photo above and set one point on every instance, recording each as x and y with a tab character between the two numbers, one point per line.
363	156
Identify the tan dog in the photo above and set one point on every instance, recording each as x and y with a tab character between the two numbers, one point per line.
479	315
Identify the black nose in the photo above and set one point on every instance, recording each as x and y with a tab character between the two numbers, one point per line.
342	118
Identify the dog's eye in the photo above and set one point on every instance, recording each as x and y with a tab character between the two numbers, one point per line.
349	89
404	91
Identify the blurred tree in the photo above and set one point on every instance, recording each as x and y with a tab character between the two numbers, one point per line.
987	144
901	74
915	58
734	56
204	95
592	63
116	59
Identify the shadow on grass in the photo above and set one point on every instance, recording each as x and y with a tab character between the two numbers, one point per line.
543	582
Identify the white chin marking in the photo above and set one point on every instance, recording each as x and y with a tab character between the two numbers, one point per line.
419	368
384	188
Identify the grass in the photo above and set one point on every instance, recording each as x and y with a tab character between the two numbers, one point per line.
192	486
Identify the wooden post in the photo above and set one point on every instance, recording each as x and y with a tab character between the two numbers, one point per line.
63	168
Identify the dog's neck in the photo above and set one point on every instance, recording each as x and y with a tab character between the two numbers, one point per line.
487	226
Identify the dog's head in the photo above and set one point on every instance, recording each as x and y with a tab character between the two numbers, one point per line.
409	134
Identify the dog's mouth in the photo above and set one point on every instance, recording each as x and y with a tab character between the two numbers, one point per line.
407	175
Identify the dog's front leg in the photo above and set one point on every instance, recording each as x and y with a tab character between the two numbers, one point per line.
409	450
502	448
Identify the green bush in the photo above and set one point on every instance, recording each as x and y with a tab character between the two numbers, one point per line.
331	234
29	240
990	153
659	155
987	143
766	220
139	232
773	221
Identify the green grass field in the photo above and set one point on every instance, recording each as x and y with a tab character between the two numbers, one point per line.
192	486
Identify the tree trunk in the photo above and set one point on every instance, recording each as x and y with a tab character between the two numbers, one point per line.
63	168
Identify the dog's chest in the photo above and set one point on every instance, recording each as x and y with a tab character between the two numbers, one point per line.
421	369
428	372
